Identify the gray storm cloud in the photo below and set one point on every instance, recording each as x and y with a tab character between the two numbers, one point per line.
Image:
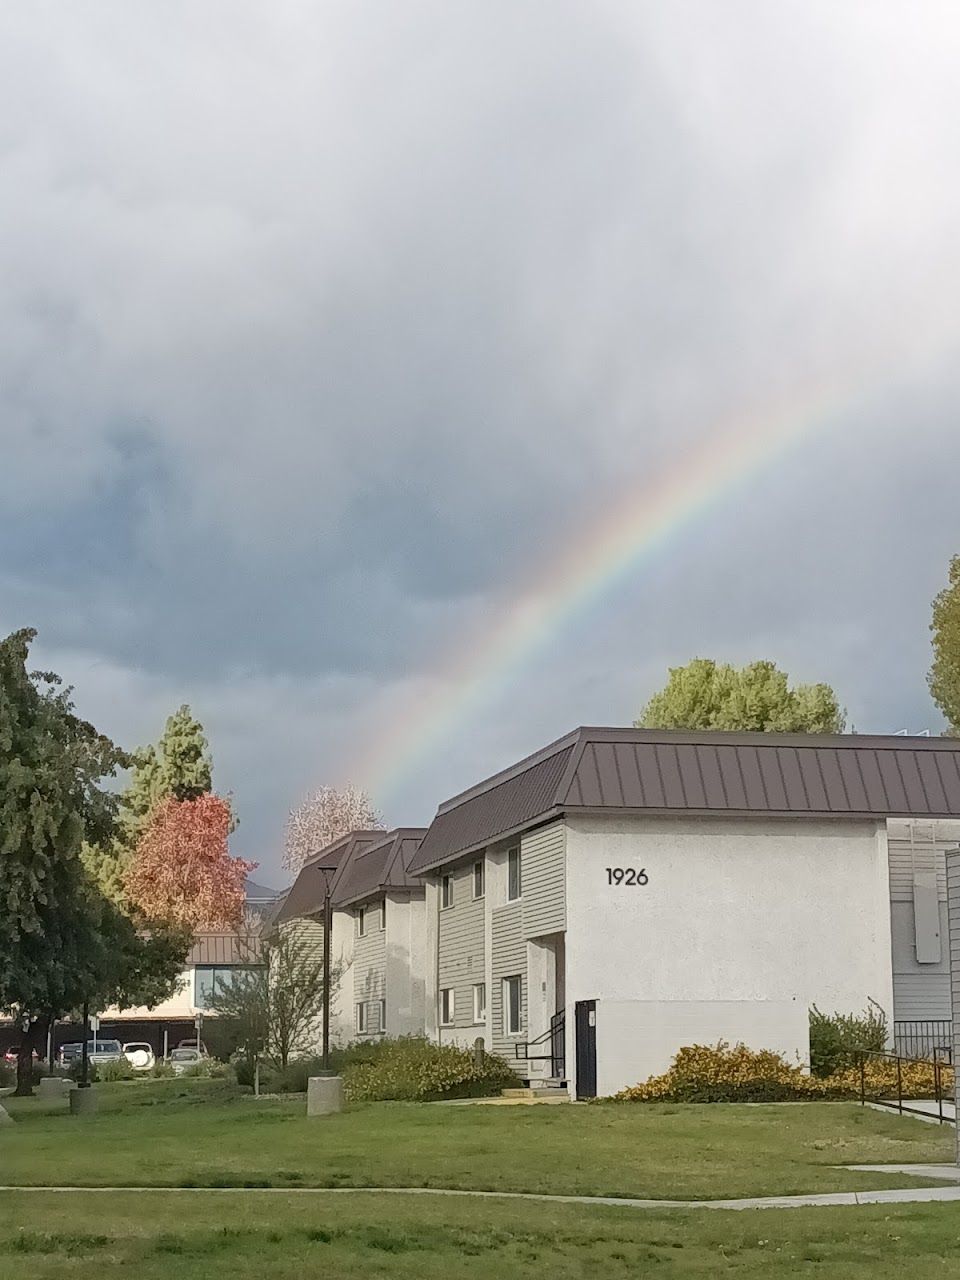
323	324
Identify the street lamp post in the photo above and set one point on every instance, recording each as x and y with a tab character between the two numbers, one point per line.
327	930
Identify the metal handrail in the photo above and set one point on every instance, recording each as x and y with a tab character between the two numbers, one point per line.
941	1057
555	1036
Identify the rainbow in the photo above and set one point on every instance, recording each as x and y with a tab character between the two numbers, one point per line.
629	534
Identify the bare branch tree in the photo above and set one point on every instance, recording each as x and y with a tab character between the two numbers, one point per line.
324	816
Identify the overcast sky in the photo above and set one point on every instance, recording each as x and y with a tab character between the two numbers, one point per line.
323	324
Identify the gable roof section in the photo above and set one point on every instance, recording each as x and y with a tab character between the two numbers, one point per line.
703	774
307	892
381	866
226	949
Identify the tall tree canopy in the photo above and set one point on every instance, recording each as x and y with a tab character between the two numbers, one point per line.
710	695
323	816
182	872
944	677
61	941
179	765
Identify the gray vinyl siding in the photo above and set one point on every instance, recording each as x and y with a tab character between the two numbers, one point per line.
309	932
509	959
543	875
461	960
370	961
921	988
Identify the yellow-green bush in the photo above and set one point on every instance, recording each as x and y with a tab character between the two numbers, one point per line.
734	1073
411	1069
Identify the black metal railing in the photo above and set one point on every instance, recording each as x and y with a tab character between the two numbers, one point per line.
942	1083
922	1038
554	1039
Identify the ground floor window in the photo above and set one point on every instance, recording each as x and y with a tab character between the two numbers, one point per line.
447	1007
361	1018
512	993
480	1002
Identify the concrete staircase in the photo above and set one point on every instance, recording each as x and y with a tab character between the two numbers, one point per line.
539	1091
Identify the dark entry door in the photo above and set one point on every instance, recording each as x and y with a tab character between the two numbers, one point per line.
586	1024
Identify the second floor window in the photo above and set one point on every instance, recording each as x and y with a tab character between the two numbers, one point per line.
514	884
446	891
478	879
361	921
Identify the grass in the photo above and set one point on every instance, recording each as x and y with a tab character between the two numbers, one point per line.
203	1133
166	1236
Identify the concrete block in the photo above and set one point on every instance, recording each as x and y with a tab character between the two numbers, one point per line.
83	1102
53	1087
324	1095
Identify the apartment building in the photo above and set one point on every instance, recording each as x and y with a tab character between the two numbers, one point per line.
623	892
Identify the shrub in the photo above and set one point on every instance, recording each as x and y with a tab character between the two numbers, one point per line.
835	1038
160	1070
411	1069
725	1073
110	1071
206	1069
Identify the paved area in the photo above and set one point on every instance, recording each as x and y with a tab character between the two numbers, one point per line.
948	1172
925	1109
915	1195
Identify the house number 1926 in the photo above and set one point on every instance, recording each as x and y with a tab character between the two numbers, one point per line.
626	875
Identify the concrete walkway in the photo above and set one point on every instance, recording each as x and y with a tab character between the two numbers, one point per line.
916	1195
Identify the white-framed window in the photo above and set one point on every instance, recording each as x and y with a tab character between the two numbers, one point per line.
478	878
479	1002
383	914
447	1007
361	921
512	996
376	1016
361	1018
446	891
514	883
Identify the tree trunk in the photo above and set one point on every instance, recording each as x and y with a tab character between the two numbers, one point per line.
28	1039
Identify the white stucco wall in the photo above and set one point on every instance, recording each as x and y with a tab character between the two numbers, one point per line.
179	1005
342	939
640	1037
405	960
792	912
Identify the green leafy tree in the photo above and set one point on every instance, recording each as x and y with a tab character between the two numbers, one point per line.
273	1011
61	941
179	765
710	695
944	677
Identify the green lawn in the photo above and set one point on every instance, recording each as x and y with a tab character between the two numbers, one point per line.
253	1236
168	1133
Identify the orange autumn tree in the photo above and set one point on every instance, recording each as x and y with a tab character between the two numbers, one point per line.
182	872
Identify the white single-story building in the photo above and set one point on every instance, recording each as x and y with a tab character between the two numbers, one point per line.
624	892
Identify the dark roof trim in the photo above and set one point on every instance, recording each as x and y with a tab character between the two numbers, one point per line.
698	773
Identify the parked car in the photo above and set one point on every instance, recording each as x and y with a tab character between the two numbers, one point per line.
194	1044
97	1051
140	1055
13	1053
181	1059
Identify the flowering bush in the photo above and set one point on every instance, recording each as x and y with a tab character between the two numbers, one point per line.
414	1070
725	1073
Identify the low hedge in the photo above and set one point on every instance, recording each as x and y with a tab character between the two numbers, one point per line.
734	1073
411	1069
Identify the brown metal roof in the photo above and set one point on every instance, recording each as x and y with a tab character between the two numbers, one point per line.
380	867
702	773
225	948
306	894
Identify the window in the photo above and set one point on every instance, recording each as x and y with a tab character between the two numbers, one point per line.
514	884
361	921
383	914
211	979
511	1006
361	1019
382	1007
446	1007
446	891
479	1002
478	879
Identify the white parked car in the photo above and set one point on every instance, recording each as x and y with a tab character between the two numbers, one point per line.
182	1059
140	1055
